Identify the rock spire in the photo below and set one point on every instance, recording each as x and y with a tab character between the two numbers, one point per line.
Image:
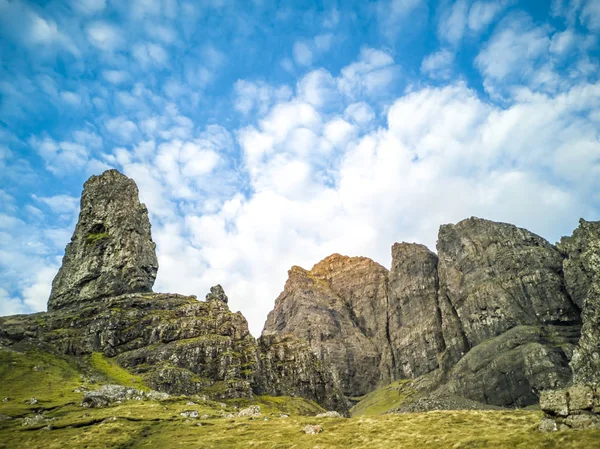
111	251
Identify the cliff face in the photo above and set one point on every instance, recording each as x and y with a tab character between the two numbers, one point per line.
495	317
582	275
111	251
579	406
339	308
101	301
491	314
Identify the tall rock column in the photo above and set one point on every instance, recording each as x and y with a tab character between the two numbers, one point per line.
414	319
111	251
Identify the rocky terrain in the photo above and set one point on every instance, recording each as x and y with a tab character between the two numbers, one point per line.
498	317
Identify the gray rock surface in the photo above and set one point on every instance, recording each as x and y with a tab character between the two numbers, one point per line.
582	275
217	294
339	308
493	277
111	251
576	407
414	317
288	366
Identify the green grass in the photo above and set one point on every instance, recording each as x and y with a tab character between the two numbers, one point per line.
93	238
151	424
114	373
36	374
383	400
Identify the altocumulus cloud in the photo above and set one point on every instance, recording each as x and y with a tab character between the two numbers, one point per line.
262	138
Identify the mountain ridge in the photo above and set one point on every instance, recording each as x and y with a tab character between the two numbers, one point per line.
494	317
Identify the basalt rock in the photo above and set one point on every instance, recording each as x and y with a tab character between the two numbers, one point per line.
495	276
288	366
582	276
340	308
578	407
111	251
414	317
217	294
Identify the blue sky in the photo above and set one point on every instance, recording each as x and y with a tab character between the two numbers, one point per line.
268	134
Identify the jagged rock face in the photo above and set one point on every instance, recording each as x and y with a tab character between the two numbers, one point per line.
582	275
493	277
111	251
288	366
509	370
180	345
217	294
414	317
339	308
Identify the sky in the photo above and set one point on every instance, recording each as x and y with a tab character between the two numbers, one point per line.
265	134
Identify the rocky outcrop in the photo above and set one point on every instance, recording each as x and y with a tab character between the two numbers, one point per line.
111	251
490	313
339	308
178	344
582	276
288	366
578	407
217	294
414	317
495	276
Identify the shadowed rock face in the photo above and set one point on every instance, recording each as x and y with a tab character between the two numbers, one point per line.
491	315
582	275
111	251
414	320
495	276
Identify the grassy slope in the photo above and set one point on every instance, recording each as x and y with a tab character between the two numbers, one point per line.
384	399
152	424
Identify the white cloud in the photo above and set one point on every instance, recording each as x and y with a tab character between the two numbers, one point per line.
59	204
10	305
115	76
121	128
453	22
71	98
590	15
562	42
104	36
150	54
61	157
518	54
438	65
483	13
36	294
393	14
361	113
318	88
303	55
258	96
89	7
370	75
